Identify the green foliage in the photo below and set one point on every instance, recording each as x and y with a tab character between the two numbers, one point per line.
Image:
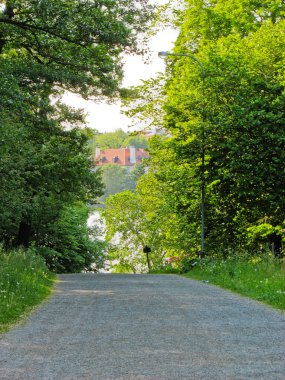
24	282
118	178
12	194
124	223
42	171
131	229
46	48
136	220
256	277
110	139
69	246
168	237
262	231
76	45
165	269
144	103
118	139
136	140
114	178
236	116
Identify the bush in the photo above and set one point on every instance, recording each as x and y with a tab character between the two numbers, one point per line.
72	246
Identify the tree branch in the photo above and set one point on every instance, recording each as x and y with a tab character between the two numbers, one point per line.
26	26
29	50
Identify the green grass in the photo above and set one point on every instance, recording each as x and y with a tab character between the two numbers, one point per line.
262	280
24	283
165	270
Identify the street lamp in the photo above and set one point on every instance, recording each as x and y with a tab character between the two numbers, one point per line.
162	54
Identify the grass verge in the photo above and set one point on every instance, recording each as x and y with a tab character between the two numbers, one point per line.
262	280
24	283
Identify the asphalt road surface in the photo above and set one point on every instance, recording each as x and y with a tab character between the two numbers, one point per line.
147	327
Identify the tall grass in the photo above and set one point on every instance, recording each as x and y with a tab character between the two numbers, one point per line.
260	279
24	282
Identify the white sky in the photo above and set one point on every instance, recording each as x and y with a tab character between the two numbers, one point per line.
105	117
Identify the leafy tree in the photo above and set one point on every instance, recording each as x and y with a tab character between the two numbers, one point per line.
110	139
240	112
12	195
118	178
242	107
135	173
68	245
136	140
250	184
118	139
114	178
161	222
48	47
144	103
135	221
73	44
124	221
64	166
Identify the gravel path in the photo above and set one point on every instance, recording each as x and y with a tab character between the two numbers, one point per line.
147	327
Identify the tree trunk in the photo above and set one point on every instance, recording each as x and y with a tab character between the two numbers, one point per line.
276	245
9	12
24	234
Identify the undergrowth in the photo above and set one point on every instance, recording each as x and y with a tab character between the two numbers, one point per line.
24	283
257	278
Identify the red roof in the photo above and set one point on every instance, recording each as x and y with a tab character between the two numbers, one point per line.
120	156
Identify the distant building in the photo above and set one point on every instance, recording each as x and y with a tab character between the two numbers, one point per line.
120	156
147	133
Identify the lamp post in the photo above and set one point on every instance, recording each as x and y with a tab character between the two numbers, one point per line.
162	54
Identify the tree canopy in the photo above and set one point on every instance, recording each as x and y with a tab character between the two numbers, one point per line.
47	47
118	139
73	44
235	116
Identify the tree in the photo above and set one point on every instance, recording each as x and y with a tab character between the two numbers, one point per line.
240	113
114	178
110	139
136	140
162	224
118	139
143	228
143	104
118	178
45	48
69	246
242	106
127	222
12	195
124	221
73	44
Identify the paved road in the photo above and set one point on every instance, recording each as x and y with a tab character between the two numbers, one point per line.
145	327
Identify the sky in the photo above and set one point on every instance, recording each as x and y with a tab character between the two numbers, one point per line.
105	117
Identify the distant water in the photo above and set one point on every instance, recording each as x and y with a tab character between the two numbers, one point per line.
96	220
